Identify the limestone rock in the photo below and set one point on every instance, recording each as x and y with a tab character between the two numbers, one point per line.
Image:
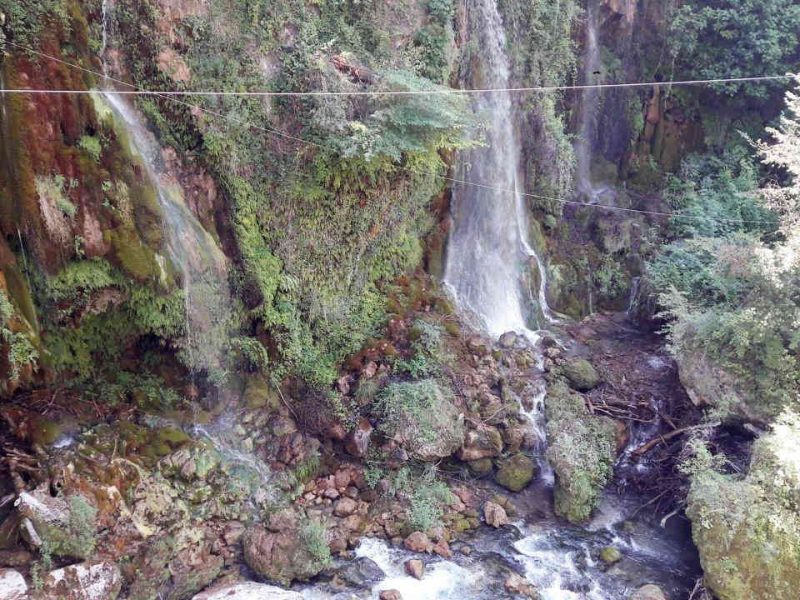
581	375
483	442
12	585
415	568
84	581
495	515
516	472
519	586
390	595
648	592
283	556
418	542
345	507
247	590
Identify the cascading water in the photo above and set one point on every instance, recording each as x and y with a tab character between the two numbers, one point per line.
589	110
488	251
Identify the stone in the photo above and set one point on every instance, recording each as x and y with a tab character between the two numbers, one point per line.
415	568
519	586
232	532
15	558
442	548
495	515
480	467
483	442
581	375
357	441
390	595
247	590
282	557
610	555
478	345
648	592
12	585
418	542
361	573
345	507
508	340
84	581
516	472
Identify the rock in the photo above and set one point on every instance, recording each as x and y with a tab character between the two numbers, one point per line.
483	442
361	573
12	585
390	595
581	375
519	586
478	345
15	558
495	515
282	557
418	542
482	466
357	441
66	525
508	340
415	568
345	507
610	555
84	581
248	590
515	473
442	548
233	532
648	592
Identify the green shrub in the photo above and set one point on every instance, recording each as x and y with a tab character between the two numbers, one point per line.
92	146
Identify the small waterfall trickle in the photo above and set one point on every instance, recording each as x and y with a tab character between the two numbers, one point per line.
589	111
489	255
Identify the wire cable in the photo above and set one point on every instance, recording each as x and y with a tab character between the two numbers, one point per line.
278	132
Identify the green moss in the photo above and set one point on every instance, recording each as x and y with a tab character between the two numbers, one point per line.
133	256
516	472
581	450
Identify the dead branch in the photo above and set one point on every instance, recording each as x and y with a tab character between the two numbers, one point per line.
646	447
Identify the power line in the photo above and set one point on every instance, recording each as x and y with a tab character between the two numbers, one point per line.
278	132
436	91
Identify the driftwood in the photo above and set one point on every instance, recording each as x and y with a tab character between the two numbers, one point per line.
647	446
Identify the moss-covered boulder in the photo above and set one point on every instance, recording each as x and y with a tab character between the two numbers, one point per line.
61	526
295	549
516	472
581	450
747	530
420	416
581	375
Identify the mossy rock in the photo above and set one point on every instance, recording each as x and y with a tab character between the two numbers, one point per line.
516	472
582	451
481	466
581	375
258	393
610	555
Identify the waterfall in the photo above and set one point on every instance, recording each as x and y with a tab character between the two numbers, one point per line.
202	265
488	252
589	111
489	255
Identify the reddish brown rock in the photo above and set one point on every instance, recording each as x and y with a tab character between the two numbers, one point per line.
415	568
442	548
495	515
390	595
345	507
358	440
418	542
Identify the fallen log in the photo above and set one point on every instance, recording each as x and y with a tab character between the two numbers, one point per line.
647	446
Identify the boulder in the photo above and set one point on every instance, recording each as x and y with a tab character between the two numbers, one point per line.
495	515
415	568
247	590
12	585
610	555
648	592
84	581
508	340
581	375
357	441
390	595
516	472
345	507
519	586
483	442
482	466
418	542
284	556
66	526
361	573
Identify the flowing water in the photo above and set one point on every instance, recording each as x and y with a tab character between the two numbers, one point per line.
488	253
589	111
